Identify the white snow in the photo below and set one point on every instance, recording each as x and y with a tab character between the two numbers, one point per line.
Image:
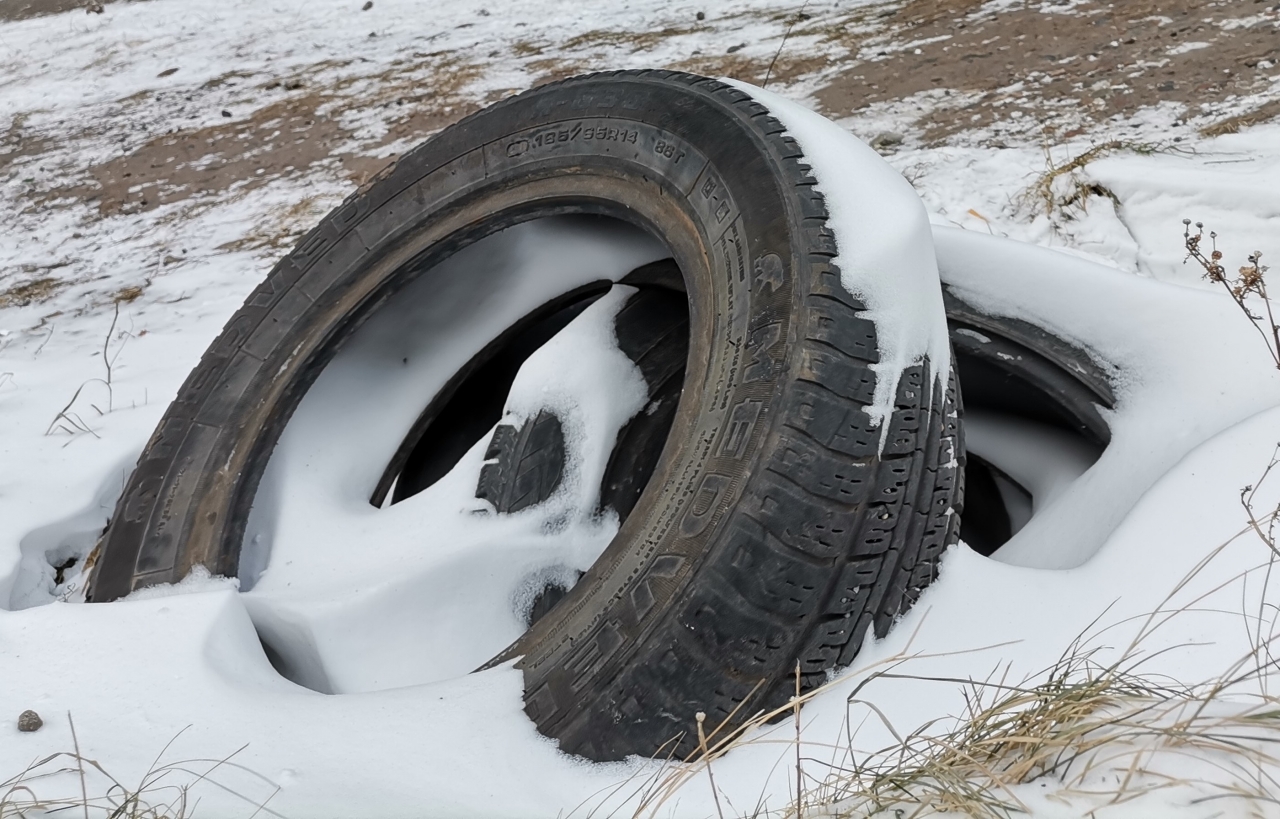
335	571
1043	460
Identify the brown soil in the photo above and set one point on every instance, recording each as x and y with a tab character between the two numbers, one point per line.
1048	69
23	9
1057	64
298	130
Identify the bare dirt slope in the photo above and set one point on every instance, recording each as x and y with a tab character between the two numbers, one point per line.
918	73
26	9
1046	70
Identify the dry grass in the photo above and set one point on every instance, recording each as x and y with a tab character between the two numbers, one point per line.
633	40
1043	192
71	784
1232	125
31	291
1103	733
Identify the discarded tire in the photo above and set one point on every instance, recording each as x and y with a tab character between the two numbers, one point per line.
1016	369
779	524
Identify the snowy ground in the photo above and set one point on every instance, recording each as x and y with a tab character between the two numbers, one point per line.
143	203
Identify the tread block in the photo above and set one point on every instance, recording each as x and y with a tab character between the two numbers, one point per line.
839	325
830	368
832	634
815	529
800	459
893	480
853	587
880	525
903	437
827	284
832	422
526	464
911	386
743	643
773	576
856	637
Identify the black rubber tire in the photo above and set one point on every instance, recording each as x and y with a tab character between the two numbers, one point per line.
524	464
1012	367
775	530
1021	369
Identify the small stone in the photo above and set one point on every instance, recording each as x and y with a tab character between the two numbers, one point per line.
226	114
368	5
737	48
702	15
886	140
29	721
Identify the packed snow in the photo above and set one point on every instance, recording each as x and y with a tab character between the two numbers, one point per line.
345	587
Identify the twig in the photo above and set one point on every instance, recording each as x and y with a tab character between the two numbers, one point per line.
75	742
108	360
1251	280
800	15
52	327
701	717
795	705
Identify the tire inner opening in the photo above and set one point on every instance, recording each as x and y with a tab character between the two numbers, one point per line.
471	403
651	329
1031	428
412	396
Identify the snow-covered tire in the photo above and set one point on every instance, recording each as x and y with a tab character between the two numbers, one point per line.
784	518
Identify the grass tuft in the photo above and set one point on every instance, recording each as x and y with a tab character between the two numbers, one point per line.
1041	193
69	783
1074	726
32	291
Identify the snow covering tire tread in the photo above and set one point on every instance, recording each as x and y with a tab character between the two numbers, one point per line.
775	531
